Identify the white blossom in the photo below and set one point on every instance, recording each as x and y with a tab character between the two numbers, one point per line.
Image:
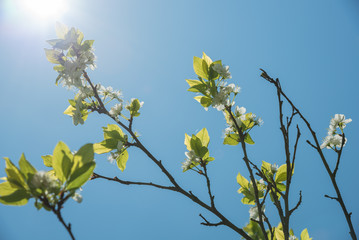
85	92
186	165
240	111
109	92
112	157
77	197
292	238
259	122
191	155
274	168
220	100
192	158
116	110
339	121
223	71
254	213
331	141
44	180
233	88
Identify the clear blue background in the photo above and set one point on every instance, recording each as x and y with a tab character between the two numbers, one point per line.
145	48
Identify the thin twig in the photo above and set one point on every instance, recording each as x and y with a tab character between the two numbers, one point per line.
339	156
207	223
319	150
298	203
176	187
251	175
208	185
116	179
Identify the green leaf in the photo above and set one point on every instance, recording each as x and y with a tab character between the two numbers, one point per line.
14	176
53	56
121	160
87	44
248	198
281	186
54	42
61	30
248	139
38	205
197	86
203	136
204	100
26	168
6	189
105	146
187	141
254	230
200	67
62	161
266	167
193	83
282	173
59	68
113	131
203	152
207	59
305	235
208	159
278	233
80	176
84	155
242	181
47	160
80	37
17	198
231	139
196	145
213	75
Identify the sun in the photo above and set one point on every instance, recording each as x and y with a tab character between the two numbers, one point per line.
44	9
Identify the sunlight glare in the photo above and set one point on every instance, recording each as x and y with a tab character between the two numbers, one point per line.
45	9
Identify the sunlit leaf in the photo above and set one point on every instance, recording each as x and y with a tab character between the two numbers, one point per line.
203	136
80	176
62	161
121	160
26	168
61	30
14	176
17	198
200	67
305	235
47	160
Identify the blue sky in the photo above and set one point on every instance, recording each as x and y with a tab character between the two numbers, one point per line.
145	49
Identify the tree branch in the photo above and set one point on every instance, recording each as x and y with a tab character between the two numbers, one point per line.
115	179
246	161
339	156
339	198
176	187
207	223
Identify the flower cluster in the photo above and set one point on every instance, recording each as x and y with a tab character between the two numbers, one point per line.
221	98
192	159
73	56
245	121
46	182
335	139
211	84
223	71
